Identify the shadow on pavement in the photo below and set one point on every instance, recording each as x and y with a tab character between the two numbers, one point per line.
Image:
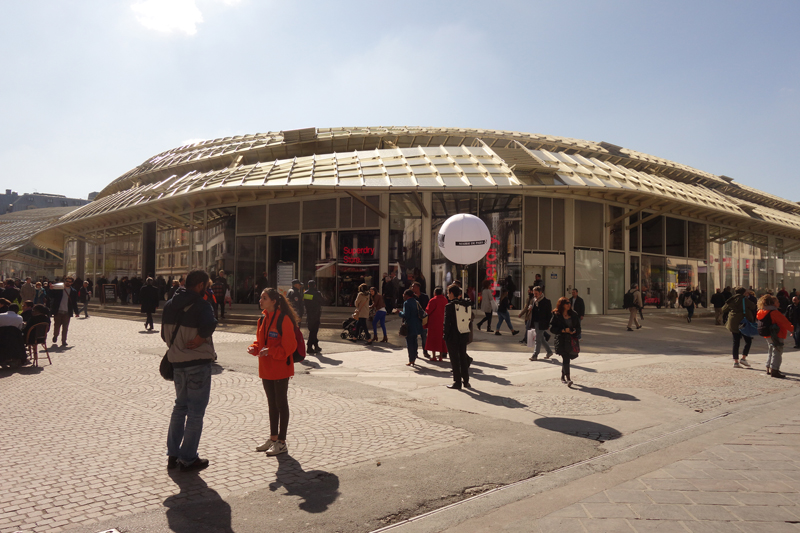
477	373
485	397
605	393
554	361
488	365
322	359
211	514
24	370
579	428
318	489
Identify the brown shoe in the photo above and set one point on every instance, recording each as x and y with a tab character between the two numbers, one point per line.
385	340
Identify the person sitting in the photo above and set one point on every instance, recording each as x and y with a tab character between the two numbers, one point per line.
10	317
27	310
39	315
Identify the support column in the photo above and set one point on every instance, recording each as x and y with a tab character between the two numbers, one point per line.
427	241
383	252
569	244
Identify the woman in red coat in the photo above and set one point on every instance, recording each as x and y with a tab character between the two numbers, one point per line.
435	342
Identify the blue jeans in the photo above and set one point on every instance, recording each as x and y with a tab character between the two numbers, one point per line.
501	317
411	343
192	390
380	317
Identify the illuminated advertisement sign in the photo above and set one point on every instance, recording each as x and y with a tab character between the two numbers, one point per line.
357	255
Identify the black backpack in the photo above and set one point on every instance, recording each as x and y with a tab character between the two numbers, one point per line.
627	300
766	328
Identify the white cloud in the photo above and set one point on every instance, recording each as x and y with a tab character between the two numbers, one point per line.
168	15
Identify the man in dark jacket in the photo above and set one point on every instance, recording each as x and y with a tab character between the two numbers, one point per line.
541	314
295	297
148	298
388	292
718	301
737	308
11	292
191	352
84	295
793	315
457	315
312	302
423	300
577	304
63	304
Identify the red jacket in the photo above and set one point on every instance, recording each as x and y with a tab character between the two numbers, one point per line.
777	318
273	365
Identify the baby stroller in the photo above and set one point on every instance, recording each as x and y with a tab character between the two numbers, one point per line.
349	327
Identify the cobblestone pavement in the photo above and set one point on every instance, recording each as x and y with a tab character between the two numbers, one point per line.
749	484
79	437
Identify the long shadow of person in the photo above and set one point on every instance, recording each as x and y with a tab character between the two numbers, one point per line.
605	393
501	401
316	488
197	507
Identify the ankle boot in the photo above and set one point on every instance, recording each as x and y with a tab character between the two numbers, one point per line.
385	340
776	374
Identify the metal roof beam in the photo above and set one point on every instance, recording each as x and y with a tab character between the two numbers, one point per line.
418	200
369	206
639	209
649	217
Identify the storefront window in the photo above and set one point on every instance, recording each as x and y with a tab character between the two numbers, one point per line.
502	214
616	280
676	237
284	254
635	271
588	224
653	236
198	242
405	238
318	262
443	207
220	242
251	257
653	281
544	224
172	248
697	241
123	257
634	233
357	264
616	239
252	219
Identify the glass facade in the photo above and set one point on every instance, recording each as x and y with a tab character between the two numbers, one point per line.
616	280
502	214
220	242
357	263
318	262
653	281
405	237
444	272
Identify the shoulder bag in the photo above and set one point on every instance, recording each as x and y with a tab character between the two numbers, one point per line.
166	369
747	328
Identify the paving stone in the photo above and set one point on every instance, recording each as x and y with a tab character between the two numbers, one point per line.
607	525
608	510
716	485
667	496
669	484
766	527
657	526
712	527
572	511
710	512
762	514
660	512
560	525
762	498
766	486
712	498
627	496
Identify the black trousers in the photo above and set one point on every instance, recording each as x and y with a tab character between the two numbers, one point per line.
488	318
459	360
277	396
219	308
313	329
149	320
737	339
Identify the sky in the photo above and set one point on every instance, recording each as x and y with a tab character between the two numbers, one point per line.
92	88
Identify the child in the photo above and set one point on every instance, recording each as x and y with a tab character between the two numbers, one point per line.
768	311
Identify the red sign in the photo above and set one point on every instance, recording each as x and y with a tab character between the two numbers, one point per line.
354	255
491	262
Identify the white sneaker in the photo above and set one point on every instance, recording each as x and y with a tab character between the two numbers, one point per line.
277	448
744	362
736	365
266	446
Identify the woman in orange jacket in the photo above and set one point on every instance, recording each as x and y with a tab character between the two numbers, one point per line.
274	347
768	305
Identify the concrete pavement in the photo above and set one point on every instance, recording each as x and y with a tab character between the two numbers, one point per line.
85	438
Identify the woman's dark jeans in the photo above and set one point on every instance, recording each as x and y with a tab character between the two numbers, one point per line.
737	337
487	318
362	326
277	396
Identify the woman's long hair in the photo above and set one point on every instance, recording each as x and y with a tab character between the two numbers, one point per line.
560	305
283	305
765	300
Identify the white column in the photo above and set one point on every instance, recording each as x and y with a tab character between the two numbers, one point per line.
427	201
569	243
383	252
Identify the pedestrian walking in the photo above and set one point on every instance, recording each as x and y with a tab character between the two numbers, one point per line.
541	315
388	293
793	316
632	301
487	305
423	299
503	314
295	297
84	295
362	312
27	291
687	301
718	301
187	326
377	308
411	315
63	305
737	308
312	303
435	342
566	326
773	326
455	329
220	288
148	299
275	343
40	296
577	304
525	315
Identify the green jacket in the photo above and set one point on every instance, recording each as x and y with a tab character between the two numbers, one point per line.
735	314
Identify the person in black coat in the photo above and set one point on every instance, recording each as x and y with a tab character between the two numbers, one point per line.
576	303
456	336
566	326
148	297
63	304
312	303
541	314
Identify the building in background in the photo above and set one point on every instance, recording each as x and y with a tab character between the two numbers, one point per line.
12	202
344	205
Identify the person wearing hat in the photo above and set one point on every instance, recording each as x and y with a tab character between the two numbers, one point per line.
295	298
312	302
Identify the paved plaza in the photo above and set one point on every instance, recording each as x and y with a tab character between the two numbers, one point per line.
659	433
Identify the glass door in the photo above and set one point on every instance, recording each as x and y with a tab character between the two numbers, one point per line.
589	279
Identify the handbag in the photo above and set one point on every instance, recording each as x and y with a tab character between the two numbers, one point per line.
531	338
494	305
575	347
166	369
403	330
747	328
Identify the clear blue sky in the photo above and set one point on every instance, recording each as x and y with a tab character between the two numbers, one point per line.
92	88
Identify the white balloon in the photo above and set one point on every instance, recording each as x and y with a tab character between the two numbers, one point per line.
464	239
